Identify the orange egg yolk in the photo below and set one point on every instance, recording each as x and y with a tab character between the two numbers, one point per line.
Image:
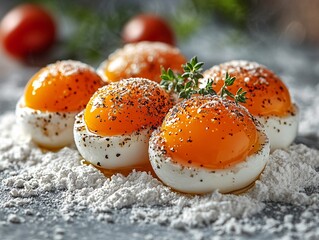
266	94
136	61
126	106
209	132
65	86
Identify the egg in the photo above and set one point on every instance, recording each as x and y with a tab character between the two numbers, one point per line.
113	131
207	143
268	98
143	60
52	98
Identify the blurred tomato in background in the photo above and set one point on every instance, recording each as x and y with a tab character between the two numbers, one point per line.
148	27
27	29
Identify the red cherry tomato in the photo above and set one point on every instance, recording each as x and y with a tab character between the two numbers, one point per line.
27	29
147	27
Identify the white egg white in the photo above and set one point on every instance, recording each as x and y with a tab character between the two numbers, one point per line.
200	180
281	131
111	152
47	129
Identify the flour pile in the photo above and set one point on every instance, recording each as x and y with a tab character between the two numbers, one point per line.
291	177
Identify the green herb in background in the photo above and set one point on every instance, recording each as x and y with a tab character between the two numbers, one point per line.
95	34
234	11
96	25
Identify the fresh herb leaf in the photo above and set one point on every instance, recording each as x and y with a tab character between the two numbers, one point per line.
240	96
229	80
208	89
171	82
187	83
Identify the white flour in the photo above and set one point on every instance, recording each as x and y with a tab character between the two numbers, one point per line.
291	177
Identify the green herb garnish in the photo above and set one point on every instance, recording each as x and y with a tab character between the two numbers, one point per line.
187	84
240	95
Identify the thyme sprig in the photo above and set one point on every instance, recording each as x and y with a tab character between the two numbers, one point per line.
240	95
187	84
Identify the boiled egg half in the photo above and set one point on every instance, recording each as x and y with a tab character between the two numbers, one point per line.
268	98
113	131
207	143
52	98
143	60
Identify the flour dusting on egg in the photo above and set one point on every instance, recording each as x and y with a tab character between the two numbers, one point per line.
267	98
66	68
113	131
142	59
52	98
207	143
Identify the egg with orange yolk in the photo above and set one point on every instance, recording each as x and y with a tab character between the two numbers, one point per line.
206	143
113	131
268	98
143	60
52	98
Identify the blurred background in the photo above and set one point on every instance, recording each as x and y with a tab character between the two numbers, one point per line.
90	30
281	34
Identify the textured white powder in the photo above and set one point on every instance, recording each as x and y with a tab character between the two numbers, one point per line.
290	177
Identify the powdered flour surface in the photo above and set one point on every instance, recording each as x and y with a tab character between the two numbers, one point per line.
52	195
290	179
